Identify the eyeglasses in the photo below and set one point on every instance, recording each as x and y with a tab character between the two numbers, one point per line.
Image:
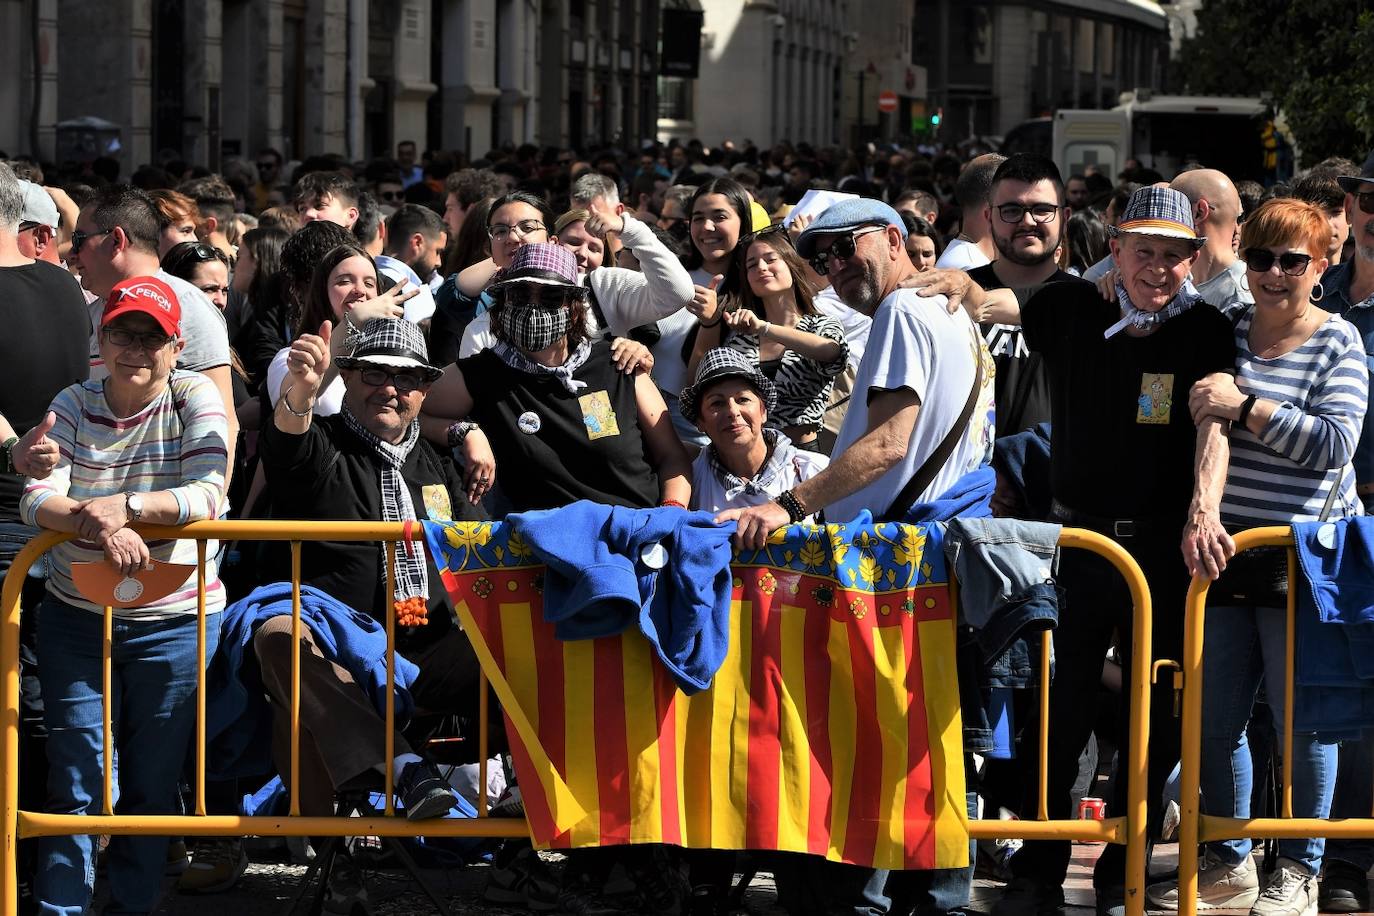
150	342
843	247
1293	263
391	196
266	166
403	382
79	238
1015	213
1366	201
526	227
202	252
768	231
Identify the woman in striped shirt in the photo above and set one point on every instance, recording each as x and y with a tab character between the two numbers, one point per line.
1295	406
146	444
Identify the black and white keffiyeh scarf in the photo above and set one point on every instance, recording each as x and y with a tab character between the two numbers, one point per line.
1186	298
412	580
564	373
779	451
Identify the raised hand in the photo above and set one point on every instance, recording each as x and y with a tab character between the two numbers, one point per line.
704	305
308	361
35	455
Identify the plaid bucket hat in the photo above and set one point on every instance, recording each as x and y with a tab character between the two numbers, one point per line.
1163	212
720	363
545	263
394	343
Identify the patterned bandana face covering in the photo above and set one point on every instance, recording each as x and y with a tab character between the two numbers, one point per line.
531	327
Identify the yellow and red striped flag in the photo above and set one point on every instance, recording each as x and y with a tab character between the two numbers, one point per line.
832	727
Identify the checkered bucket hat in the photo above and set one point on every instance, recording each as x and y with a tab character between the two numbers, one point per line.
1159	211
545	263
394	343
719	363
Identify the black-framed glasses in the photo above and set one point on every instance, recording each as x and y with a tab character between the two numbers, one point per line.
28	227
1366	201
404	382
1015	213
79	238
843	247
151	341
1293	263
523	229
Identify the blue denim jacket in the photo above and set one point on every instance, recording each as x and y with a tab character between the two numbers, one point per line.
1336	283
1004	566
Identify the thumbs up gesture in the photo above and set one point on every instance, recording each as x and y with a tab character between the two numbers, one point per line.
308	360
603	219
704	304
35	454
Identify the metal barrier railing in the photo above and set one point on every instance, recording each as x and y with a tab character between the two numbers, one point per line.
1128	828
1196	827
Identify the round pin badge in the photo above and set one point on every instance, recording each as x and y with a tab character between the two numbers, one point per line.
529	422
128	590
654	556
1326	536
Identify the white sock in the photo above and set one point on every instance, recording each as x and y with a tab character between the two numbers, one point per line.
401	761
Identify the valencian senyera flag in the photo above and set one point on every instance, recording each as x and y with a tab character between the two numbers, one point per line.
832	727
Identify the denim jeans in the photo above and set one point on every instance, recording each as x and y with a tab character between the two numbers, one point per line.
1242	645
154	666
1354	798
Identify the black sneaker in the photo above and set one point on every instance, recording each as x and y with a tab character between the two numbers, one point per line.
1028	897
578	897
345	893
1343	888
424	793
524	880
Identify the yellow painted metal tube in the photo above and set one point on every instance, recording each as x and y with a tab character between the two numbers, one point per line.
32	825
107	714
295	807
1286	809
1042	790
202	655
389	720
1191	821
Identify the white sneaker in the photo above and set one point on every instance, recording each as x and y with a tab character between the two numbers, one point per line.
1291	891
1220	886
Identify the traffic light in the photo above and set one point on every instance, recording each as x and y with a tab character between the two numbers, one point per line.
935	118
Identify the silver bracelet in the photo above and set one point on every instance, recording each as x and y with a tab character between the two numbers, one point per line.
286	402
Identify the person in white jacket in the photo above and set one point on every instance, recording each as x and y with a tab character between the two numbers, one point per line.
621	299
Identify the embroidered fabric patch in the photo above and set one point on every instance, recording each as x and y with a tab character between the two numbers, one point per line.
598	416
1156	401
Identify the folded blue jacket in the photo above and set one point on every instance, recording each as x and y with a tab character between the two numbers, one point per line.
1005	570
665	569
238	715
968	497
1333	665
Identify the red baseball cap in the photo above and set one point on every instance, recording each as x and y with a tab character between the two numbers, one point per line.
147	295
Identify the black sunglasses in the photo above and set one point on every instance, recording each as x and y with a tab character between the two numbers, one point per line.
391	195
1293	263
80	238
1366	201
768	231
843	247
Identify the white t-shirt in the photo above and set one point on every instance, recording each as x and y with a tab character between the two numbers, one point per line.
670	368
327	402
917	344
962	255
855	323
417	307
784	471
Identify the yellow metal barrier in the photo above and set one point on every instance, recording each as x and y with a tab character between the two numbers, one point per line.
1196	827
1128	828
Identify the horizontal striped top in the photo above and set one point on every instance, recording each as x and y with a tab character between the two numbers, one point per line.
1285	473
176	443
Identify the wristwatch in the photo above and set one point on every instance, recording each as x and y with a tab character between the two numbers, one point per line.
133	506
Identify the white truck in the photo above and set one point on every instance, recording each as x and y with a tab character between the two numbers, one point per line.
1165	132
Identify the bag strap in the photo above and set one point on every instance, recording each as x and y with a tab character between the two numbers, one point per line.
1331	495
925	474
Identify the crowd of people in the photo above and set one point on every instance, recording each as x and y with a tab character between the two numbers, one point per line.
1166	362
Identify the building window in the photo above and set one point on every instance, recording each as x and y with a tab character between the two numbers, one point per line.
674	99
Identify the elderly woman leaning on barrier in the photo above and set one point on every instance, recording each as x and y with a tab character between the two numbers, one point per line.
1295	406
147	444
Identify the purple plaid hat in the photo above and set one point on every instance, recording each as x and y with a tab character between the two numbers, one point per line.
545	263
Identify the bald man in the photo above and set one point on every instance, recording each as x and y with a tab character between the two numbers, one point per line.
1216	212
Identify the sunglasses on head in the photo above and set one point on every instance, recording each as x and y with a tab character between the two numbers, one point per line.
775	229
1292	263
843	247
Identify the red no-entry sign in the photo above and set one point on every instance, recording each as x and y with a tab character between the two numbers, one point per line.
887	100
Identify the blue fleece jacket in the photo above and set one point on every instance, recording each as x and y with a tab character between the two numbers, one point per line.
968	497
238	716
665	569
1333	666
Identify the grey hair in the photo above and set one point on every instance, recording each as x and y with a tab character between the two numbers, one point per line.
593	185
11	199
